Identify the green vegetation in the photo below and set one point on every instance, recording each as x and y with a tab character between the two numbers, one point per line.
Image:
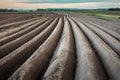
103	15
100	14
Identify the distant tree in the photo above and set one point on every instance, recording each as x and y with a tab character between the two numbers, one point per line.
114	9
31	11
8	10
40	10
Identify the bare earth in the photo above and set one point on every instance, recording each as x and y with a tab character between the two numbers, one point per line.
64	46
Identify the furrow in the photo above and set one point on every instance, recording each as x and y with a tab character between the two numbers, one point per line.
7	20
15	59
39	61
15	28
14	23
9	47
62	66
18	19
110	32
114	43
108	56
88	65
22	32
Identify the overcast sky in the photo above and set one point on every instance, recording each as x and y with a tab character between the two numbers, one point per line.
33	4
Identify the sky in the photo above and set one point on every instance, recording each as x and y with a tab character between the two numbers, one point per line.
33	4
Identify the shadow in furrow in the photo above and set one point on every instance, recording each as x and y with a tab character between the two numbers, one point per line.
22	32
12	29
39	61
9	47
15	59
110	60
108	31
88	64
62	65
111	41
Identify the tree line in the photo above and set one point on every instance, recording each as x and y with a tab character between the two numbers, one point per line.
54	9
8	10
114	9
